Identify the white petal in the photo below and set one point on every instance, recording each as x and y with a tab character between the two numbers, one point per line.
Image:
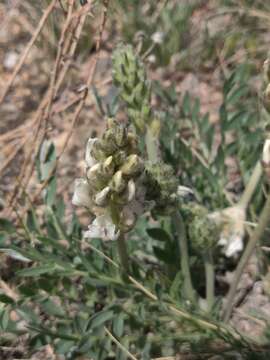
131	190
234	246
93	171
81	196
223	241
102	227
183	191
90	161
102	196
266	152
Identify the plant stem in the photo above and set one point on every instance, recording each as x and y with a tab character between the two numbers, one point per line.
251	186
183	247
152	145
122	251
210	279
255	237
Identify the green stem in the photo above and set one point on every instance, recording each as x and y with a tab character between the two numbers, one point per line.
123	254
184	255
251	186
152	145
210	279
257	234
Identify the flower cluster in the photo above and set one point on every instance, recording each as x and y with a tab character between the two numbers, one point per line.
203	231
162	186
135	90
112	189
232	223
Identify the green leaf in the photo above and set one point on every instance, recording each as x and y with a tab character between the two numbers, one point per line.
4	319
15	255
32	222
7	226
158	234
237	94
47	159
6	299
100	318
118	324
98	101
37	270
52	309
51	191
186	104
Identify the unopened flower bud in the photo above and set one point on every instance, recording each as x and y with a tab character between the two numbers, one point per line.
132	166
108	142
131	190
132	143
108	166
101	198
93	172
97	152
118	183
121	136
111	123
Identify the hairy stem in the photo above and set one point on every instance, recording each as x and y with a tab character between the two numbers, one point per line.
251	186
255	237
183	247
122	251
210	279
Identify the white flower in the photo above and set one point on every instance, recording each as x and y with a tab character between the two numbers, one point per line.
90	161
158	37
81	196
233	230
102	227
232	245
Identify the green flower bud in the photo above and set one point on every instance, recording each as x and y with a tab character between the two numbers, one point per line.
108	142
119	157
203	232
132	166
98	152
108	166
161	184
130	76
121	136
118	183
95	177
132	143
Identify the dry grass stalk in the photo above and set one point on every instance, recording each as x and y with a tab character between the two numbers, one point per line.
43	112
27	49
65	50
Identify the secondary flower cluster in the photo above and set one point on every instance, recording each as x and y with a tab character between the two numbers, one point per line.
134	88
113	189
